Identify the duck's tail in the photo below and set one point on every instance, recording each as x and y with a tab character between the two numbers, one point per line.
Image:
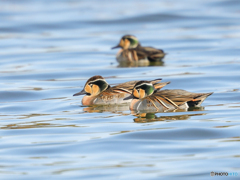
198	99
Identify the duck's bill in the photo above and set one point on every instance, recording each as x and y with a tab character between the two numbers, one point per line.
116	47
129	97
80	93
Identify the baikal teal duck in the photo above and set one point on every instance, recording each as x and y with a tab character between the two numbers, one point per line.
98	92
132	51
147	98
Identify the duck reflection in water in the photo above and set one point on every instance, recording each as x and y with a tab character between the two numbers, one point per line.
144	116
151	117
140	64
116	109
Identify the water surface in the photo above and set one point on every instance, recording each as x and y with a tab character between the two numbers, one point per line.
50	48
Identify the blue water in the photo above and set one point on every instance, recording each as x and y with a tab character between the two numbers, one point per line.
48	49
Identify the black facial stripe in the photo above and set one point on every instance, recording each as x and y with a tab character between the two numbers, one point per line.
101	83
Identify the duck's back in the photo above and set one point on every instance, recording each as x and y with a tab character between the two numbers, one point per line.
152	54
180	96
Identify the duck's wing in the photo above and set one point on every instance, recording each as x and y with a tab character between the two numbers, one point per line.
151	53
126	87
159	86
180	96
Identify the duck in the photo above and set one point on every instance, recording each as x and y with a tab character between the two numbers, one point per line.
98	92
145	97
132	51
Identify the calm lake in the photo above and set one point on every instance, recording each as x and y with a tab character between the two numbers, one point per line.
48	50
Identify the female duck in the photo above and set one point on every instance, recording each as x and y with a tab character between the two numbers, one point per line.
132	51
146	98
98	91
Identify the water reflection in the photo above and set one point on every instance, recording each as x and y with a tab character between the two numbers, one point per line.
125	107
117	109
140	64
143	116
33	124
151	117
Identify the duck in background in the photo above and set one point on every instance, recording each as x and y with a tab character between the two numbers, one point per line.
146	98
98	91
132	51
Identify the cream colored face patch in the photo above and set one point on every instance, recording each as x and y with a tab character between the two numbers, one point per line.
126	44
121	43
95	90
142	93
88	89
135	93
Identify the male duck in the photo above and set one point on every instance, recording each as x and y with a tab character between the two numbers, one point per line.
132	51
98	91
146	98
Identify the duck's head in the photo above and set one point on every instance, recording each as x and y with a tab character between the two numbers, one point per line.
127	42
94	86
141	90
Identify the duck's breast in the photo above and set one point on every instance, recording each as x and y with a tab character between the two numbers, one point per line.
88	100
122	56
